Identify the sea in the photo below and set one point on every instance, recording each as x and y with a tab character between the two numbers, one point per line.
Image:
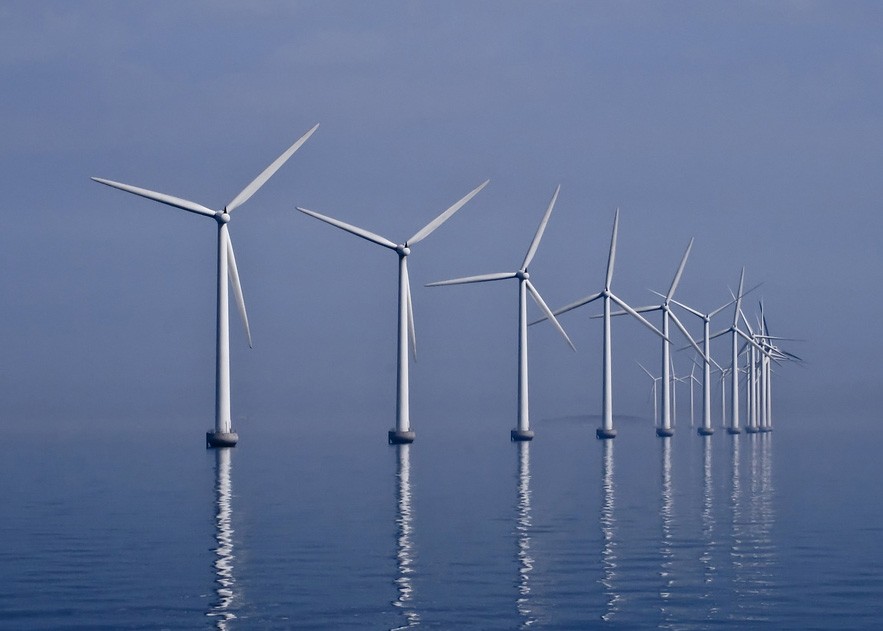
309	524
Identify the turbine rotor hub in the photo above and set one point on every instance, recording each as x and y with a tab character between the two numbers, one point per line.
403	250
522	275
223	217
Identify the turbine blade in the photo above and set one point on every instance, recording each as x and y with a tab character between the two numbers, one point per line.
237	288
719	333
690	309
649	374
482	278
435	223
637	315
739	298
177	202
749	340
721	308
677	278
683	329
745	320
545	308
571	306
412	333
611	257
791	355
359	232
620	313
267	173
532	250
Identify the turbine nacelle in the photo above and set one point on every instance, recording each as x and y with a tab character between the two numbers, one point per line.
403	250
223	217
522	275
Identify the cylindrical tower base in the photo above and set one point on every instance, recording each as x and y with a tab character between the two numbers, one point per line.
734	430
766	429
605	434
753	430
665	432
705	431
221	439
521	434
396	437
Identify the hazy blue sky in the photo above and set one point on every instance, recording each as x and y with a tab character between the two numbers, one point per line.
755	127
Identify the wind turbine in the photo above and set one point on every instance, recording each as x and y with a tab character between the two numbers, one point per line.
693	379
522	431
706	429
736	334
402	433
667	404
223	434
607	431
653	391
772	353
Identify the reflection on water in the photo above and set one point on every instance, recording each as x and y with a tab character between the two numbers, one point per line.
753	552
522	528
666	547
224	581
608	532
706	558
762	552
404	544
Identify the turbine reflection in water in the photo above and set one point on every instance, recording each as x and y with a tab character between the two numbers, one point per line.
224	581
404	532
523	525
708	527
608	532
761	553
753	551
666	549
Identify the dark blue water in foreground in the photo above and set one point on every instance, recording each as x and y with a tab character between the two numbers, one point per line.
288	530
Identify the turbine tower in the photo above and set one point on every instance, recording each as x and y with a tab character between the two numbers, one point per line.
606	430
522	430
223	434
402	433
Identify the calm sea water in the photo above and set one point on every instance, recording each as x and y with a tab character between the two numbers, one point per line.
462	529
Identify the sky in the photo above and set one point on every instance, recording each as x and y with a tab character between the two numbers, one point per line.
755	128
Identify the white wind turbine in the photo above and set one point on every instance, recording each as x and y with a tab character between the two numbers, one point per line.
223	434
653	392
772	353
402	433
692	379
606	430
522	430
736	333
667	405
705	429
766	353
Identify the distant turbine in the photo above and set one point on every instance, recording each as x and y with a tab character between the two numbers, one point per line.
606	430
766	353
706	429
693	379
736	333
522	431
667	404
402	433
653	392
223	435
